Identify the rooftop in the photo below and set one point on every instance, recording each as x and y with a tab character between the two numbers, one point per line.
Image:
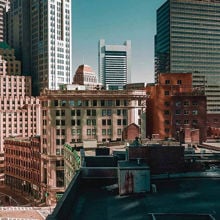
193	198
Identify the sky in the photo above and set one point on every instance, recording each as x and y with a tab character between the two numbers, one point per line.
115	21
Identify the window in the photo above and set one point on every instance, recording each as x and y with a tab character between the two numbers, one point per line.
186	103
62	122
167	81
124	112
186	122
179	81
194	103
93	112
109	122
88	122
103	131
109	103
195	112
186	112
72	112
166	122
119	122
102	102
88	131
73	123
57	122
88	112
166	93
78	112
178	112
109	112
62	112
94	103
117	102
178	104
167	104
103	112
119	131
124	122
118	112
56	103
109	131
78	122
167	130
194	122
166	112
73	131
71	103
178	122
103	122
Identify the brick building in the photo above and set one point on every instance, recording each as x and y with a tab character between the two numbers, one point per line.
174	105
22	165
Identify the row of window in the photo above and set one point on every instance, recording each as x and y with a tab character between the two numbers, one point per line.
86	103
89	112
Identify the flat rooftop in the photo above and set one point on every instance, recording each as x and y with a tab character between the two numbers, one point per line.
186	196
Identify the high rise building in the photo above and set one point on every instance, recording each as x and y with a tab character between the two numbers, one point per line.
40	32
19	111
187	41
4	4
114	64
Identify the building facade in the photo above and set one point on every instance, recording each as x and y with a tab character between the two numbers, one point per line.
4	5
19	111
74	116
85	76
40	32
187	41
114	64
22	165
174	106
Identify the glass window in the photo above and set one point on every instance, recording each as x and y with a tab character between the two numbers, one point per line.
166	93
167	81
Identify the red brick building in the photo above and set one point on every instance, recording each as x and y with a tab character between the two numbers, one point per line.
131	132
174	105
22	165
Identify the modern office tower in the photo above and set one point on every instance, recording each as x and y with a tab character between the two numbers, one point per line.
75	116
187	41
40	31
4	5
114	64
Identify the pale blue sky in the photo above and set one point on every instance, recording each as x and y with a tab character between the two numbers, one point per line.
115	21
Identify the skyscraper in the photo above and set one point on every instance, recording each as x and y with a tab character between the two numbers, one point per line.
4	4
188	41
40	32
114	64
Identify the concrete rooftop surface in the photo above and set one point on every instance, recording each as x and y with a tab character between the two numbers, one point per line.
197	196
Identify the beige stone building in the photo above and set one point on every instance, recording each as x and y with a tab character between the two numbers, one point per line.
74	116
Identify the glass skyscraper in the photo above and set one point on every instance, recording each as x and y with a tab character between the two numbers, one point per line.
188	40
